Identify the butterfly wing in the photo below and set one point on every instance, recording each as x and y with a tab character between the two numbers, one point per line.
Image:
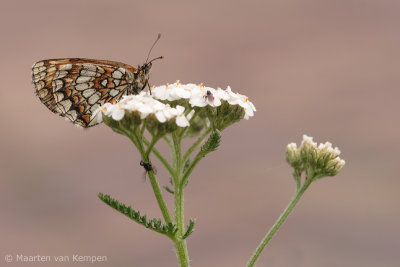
74	88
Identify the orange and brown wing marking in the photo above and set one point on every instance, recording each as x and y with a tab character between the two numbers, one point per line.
74	88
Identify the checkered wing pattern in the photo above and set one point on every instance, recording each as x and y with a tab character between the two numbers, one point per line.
74	88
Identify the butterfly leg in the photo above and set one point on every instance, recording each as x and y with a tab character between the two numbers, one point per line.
148	84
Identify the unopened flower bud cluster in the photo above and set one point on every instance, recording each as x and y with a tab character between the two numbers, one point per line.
320	160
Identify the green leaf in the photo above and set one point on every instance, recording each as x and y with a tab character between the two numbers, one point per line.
190	228
169	190
186	166
212	143
154	224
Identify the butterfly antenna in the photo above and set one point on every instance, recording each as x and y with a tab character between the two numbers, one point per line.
161	57
158	38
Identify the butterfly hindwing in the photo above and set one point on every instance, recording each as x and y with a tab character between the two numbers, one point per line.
74	88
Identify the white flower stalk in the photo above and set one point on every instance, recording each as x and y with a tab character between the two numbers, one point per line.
320	160
202	96
143	105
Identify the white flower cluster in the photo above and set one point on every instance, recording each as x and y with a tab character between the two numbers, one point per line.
196	95
145	105
201	96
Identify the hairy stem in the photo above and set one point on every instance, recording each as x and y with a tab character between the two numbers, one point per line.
180	244
195	144
279	222
138	139
178	156
159	197
160	157
151	145
193	164
182	252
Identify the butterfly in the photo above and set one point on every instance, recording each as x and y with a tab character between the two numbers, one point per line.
75	88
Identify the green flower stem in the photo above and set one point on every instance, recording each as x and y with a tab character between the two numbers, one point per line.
160	157
129	135
143	128
279	222
178	156
195	144
159	197
155	185
168	141
179	217
136	139
178	195
173	151
180	244
182	252
151	145
193	164
297	178
175	170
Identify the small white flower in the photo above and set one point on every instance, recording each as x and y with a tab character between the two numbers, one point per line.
197	100
292	146
160	92
293	155
181	119
118	112
223	94
171	92
340	162
308	140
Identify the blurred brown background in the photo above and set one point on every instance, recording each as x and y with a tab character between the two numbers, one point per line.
329	69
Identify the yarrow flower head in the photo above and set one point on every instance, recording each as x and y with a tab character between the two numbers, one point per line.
169	106
316	160
221	107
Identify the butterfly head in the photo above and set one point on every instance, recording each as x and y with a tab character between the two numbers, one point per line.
146	68
143	72
142	76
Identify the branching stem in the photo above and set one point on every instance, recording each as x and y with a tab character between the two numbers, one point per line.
195	144
160	157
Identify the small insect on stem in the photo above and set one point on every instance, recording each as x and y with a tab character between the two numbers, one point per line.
147	166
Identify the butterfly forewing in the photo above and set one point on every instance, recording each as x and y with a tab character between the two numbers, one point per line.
74	88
